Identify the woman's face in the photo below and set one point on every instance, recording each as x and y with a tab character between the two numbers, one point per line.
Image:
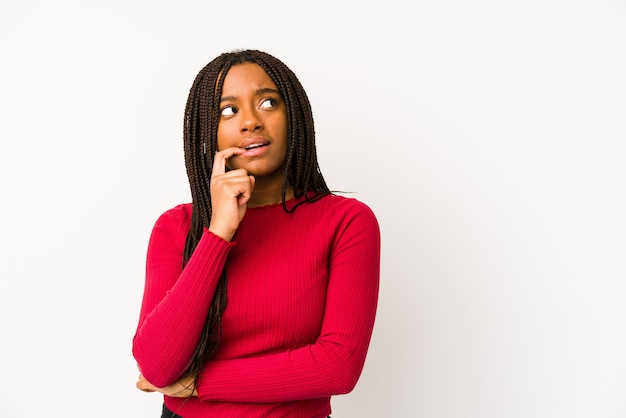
253	116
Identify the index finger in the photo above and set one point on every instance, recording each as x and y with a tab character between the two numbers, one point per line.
219	160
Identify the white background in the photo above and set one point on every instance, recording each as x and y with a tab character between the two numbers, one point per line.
488	137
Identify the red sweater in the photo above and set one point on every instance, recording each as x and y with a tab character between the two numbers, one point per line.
302	294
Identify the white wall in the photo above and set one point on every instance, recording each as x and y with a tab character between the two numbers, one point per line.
487	136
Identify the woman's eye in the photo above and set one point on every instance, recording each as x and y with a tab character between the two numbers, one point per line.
228	111
269	103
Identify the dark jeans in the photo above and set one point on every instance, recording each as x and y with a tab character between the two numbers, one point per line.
169	414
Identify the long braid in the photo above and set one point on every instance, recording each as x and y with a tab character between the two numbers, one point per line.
200	145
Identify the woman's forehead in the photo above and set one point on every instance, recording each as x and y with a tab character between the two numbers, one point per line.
246	77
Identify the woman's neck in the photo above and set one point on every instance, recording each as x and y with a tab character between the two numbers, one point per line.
265	193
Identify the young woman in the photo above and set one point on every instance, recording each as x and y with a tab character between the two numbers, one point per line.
260	295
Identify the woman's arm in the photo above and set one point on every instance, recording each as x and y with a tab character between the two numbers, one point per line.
175	304
333	364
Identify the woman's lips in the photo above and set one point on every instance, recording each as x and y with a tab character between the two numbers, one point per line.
251	146
253	150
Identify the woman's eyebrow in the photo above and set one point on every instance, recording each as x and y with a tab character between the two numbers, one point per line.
267	90
258	92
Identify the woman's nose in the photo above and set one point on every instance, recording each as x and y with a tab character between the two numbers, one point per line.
250	120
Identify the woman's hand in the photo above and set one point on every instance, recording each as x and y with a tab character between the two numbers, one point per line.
184	388
230	191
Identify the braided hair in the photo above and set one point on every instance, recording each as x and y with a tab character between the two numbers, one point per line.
302	171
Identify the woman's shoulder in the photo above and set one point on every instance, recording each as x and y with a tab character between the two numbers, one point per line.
344	209
177	217
345	203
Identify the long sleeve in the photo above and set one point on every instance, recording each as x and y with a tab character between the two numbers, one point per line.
332	363
302	292
175	303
